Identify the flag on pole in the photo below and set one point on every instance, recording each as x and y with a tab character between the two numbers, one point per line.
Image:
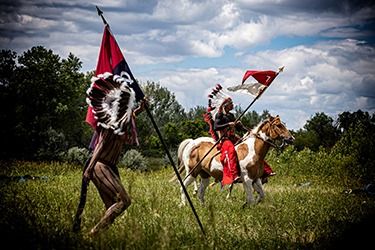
111	60
264	79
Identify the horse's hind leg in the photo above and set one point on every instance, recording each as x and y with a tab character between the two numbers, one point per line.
187	182
195	187
230	190
202	189
259	188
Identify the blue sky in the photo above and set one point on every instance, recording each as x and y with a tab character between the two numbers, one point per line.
326	46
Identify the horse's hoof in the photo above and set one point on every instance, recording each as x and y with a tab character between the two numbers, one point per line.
181	205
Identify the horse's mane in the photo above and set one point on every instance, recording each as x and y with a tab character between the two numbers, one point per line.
258	127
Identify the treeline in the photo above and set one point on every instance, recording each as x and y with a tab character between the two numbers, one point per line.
43	111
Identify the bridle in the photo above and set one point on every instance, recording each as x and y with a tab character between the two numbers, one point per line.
268	141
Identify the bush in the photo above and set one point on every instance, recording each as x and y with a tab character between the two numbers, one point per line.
53	146
77	155
134	160
166	162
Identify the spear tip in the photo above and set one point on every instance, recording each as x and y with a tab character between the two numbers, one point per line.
281	69
99	11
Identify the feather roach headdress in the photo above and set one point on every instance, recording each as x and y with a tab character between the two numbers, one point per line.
217	101
112	102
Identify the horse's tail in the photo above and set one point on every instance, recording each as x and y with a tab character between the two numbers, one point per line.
181	165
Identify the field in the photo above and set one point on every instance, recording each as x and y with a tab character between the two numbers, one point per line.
38	214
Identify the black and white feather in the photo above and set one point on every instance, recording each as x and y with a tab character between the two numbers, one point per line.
112	102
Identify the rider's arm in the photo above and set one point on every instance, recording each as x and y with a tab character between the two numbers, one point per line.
218	123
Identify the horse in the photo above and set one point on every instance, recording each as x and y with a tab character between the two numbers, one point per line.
250	154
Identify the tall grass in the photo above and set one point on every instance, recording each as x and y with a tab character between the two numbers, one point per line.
38	214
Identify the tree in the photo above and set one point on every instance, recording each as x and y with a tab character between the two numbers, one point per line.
196	113
173	136
7	102
347	119
195	129
163	104
358	144
324	129
46	93
305	139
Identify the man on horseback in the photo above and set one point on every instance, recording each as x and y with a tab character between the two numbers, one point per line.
222	123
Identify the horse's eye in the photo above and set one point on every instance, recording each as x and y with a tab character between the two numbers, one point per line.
279	126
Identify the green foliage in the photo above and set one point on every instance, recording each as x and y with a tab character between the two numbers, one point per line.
41	92
195	129
306	139
165	162
155	147
358	145
196	113
172	135
77	155
324	129
54	146
163	104
251	118
134	160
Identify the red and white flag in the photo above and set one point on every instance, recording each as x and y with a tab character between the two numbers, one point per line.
264	79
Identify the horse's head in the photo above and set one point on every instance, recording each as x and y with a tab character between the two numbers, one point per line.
277	130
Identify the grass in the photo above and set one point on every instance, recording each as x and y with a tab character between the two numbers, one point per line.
38	214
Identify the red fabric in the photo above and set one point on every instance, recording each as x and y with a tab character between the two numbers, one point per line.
267	168
110	54
263	77
111	60
229	161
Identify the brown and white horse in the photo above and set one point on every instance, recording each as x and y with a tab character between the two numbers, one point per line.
250	154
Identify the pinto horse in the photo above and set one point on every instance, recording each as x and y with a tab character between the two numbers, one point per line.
250	154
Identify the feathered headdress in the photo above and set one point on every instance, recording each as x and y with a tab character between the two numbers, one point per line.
217	101
112	102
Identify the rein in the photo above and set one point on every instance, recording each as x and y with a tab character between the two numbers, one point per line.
267	141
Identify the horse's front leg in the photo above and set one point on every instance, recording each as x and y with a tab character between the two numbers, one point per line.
248	187
202	189
259	188
187	182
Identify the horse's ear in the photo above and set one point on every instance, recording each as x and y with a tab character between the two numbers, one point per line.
270	117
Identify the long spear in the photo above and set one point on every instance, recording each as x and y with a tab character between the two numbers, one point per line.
238	118
100	13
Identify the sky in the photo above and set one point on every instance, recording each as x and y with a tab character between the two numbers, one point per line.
326	46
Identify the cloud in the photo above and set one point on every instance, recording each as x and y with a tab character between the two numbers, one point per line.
218	40
327	76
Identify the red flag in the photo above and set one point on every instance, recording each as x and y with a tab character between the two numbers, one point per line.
263	77
112	60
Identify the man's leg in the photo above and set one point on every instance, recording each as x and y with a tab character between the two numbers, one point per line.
233	164
82	201
113	194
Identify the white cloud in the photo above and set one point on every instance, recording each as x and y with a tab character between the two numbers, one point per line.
157	37
314	80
